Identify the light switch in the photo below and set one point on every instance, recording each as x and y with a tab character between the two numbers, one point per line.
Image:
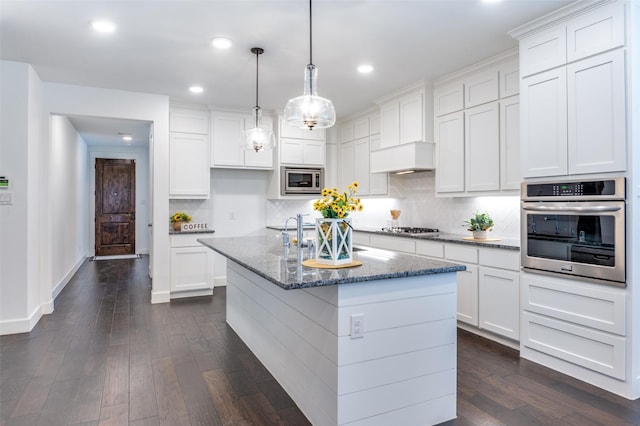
6	198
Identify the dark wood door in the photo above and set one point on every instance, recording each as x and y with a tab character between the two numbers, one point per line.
115	207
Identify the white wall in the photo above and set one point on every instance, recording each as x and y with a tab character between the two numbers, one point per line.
69	188
20	102
143	215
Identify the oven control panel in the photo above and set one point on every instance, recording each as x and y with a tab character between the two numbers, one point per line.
586	189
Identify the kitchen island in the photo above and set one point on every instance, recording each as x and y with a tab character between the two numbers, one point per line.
369	345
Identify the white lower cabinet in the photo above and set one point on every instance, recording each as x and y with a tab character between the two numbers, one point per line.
574	326
499	301
468	295
191	267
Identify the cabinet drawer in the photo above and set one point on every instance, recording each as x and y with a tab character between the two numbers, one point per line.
578	345
393	243
186	240
461	253
361	238
504	259
582	303
430	248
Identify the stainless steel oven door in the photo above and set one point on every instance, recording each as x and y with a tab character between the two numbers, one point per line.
583	239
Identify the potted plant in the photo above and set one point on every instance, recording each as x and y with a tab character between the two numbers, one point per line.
479	224
177	218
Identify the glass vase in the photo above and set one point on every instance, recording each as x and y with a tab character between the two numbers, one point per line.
334	238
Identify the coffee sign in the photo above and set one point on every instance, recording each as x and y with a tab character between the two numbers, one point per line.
193	226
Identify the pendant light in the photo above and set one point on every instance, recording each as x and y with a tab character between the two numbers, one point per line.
258	138
310	111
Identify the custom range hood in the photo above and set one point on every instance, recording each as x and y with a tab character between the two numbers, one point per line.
403	158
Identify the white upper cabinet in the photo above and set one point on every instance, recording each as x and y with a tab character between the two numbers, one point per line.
588	33
185	120
510	170
481	88
301	147
188	165
448	98
227	150
482	148
544	124
543	51
574	114
596	114
402	119
449	135
478	146
188	153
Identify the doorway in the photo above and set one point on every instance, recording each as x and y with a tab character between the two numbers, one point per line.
115	207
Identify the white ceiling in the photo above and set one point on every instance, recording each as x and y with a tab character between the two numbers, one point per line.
164	47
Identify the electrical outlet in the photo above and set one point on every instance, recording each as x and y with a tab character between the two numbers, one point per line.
6	198
357	326
232	215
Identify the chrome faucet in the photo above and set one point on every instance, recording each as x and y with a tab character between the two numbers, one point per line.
285	234
300	234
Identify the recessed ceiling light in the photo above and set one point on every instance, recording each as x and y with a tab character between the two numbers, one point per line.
365	69
125	136
103	26
196	89
221	43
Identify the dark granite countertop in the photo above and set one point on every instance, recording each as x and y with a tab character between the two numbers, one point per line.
502	243
306	226
266	257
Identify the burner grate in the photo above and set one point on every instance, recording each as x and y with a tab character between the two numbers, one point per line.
410	230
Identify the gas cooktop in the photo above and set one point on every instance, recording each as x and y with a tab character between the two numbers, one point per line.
410	230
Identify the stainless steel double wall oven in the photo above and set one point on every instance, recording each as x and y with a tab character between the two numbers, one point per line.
575	229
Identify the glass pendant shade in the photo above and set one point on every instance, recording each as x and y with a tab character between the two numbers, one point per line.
310	110
259	137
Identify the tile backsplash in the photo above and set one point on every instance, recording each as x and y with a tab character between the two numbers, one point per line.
420	207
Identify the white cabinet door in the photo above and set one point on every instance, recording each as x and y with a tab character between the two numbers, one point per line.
596	31
361	165
361	128
481	88
313	153
448	99
345	132
184	120
389	124
331	168
346	173
482	148
510	171
227	140
191	269
291	151
499	301
543	51
596	114
544	124
412	118
509	79
449	136
188	165
468	295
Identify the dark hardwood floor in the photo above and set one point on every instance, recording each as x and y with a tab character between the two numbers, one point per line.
107	356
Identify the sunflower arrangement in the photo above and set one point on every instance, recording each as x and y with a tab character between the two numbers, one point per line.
337	205
180	217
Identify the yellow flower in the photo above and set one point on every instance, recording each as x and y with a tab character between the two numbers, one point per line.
336	204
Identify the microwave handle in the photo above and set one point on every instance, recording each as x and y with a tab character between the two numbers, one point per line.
593	209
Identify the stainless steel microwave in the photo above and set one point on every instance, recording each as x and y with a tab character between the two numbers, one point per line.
301	180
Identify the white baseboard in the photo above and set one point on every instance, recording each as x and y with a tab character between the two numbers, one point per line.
160	297
193	293
219	282
21	325
65	280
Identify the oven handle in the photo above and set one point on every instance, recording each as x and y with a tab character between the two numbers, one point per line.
594	209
